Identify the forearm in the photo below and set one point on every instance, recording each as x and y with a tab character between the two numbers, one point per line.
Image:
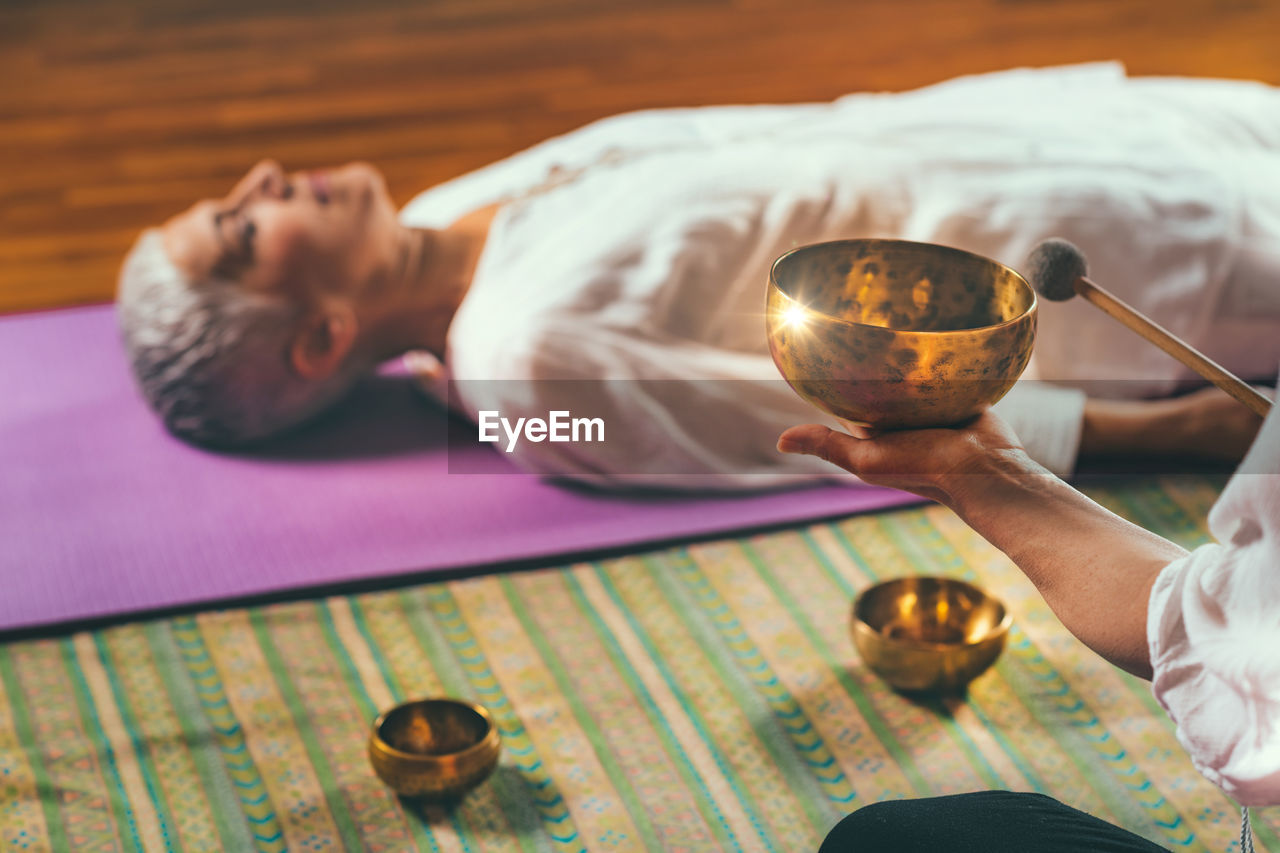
1125	427
1093	568
1206	424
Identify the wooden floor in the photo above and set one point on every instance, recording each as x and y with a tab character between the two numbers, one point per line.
115	114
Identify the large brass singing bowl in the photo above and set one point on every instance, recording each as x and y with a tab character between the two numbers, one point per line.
894	334
928	633
434	749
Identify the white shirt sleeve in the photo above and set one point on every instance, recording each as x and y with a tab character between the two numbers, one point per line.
1213	627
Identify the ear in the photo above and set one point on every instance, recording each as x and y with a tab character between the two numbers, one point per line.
323	340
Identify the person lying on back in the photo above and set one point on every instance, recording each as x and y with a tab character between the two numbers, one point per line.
618	272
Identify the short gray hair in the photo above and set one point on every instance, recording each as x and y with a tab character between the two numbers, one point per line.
211	358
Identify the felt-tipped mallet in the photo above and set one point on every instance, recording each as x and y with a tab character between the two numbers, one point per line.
1057	270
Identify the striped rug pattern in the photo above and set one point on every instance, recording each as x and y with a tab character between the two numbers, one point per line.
696	698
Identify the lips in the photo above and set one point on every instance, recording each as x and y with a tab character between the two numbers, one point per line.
319	186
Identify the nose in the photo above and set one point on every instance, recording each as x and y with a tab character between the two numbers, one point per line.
266	179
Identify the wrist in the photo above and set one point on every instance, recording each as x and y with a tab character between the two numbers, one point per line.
991	481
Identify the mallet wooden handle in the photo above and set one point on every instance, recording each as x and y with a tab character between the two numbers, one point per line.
1167	341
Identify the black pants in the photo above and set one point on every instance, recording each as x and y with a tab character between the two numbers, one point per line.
985	822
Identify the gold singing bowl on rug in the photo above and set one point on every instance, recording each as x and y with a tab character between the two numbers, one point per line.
928	633
894	334
435	749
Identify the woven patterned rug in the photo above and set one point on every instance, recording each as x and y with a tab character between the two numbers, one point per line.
698	698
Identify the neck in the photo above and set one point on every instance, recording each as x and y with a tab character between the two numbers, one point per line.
431	277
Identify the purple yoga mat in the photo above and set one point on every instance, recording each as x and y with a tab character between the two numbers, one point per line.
102	513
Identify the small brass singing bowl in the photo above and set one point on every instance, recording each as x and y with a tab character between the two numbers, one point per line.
434	749
895	335
928	633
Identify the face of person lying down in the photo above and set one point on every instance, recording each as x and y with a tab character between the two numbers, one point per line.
299	235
